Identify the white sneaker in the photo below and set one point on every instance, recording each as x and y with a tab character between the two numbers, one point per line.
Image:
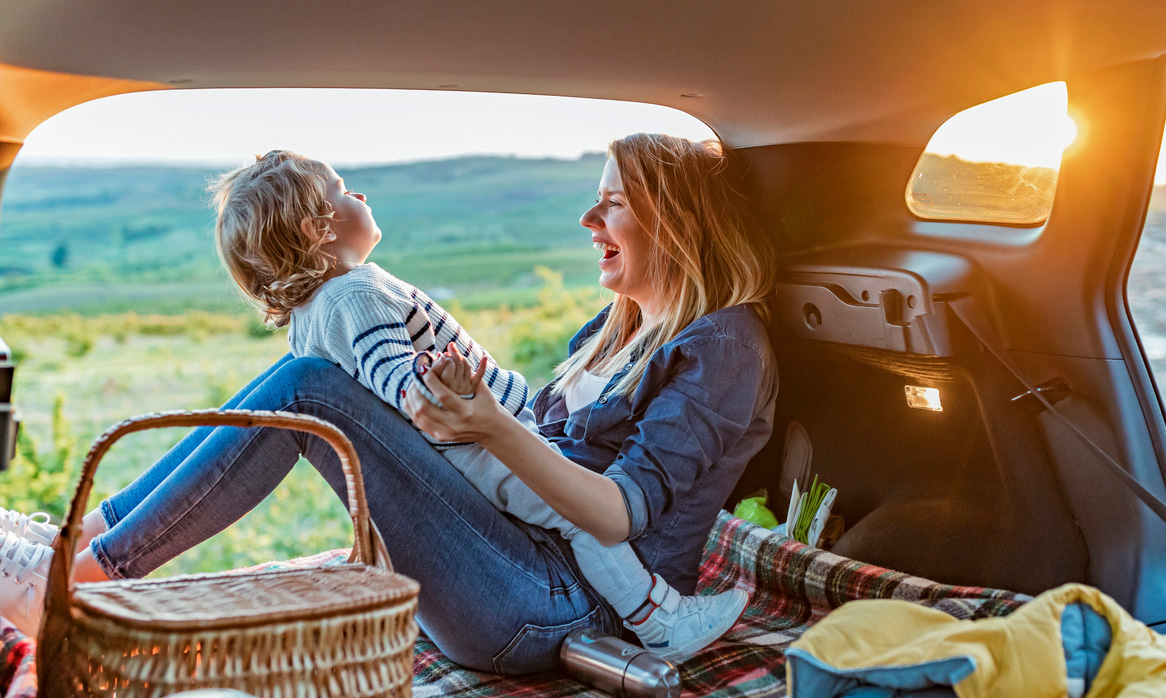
35	527
24	572
680	626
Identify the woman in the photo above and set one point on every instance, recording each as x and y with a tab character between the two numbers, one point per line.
665	396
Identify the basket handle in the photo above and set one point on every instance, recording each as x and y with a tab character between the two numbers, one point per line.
368	546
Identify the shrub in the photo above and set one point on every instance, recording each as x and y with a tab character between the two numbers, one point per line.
78	345
222	387
43	480
539	335
255	328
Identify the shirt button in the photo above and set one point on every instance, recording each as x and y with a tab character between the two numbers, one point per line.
627	367
602	400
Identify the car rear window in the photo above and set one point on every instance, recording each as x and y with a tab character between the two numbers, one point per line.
996	162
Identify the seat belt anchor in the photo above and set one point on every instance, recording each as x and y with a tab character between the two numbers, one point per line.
1054	391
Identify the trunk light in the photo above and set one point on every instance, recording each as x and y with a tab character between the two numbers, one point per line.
923	398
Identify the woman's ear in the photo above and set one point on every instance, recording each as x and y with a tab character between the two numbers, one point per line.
308	228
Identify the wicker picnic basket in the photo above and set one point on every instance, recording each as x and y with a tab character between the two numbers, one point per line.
340	630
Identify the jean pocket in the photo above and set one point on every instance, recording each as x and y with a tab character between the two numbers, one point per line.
536	647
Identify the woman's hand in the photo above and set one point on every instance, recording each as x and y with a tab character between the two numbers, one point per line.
458	419
589	500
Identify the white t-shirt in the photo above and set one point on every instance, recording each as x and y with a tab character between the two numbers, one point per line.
585	390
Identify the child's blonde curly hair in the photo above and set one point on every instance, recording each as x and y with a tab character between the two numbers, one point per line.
276	260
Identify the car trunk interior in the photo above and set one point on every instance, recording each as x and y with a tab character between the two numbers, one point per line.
989	491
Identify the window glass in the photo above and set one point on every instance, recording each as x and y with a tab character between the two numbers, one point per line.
1146	289
996	162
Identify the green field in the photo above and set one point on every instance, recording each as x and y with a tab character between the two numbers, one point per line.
114	304
133	238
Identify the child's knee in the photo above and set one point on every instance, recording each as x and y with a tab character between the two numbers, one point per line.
308	376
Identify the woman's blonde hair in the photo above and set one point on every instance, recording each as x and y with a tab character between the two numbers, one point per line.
705	255
259	236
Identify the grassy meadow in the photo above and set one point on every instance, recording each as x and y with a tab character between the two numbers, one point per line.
114	305
96	241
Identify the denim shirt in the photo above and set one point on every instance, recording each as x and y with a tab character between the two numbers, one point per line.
677	447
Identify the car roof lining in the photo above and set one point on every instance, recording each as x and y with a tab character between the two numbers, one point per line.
765	73
31	96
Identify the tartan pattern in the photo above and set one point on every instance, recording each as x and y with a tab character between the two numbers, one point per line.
792	586
17	663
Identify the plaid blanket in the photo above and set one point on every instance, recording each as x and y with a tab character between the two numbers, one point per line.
792	586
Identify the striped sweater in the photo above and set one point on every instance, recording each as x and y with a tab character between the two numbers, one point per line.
372	324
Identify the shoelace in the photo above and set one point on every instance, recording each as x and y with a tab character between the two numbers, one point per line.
19	555
14	522
695	604
701	606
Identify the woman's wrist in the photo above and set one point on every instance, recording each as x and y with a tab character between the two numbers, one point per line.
496	427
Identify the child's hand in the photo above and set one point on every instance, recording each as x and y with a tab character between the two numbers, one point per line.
454	374
455	371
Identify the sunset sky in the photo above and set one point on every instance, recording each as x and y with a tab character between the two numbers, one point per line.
342	127
350	127
1030	128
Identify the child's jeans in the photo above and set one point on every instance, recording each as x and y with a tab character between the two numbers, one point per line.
496	594
616	572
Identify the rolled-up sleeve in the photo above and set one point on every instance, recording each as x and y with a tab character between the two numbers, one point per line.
706	401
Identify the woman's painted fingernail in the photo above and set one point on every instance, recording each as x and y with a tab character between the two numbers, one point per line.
402	393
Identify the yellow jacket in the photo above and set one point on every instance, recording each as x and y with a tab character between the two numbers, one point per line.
896	643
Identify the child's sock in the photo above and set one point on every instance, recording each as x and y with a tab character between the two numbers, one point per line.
641	613
634	599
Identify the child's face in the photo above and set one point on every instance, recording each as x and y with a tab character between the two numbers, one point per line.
352	225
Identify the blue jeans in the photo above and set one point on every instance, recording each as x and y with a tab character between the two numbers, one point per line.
496	594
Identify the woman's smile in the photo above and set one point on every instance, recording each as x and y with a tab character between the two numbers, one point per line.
609	252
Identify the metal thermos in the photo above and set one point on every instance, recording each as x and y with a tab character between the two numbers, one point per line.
615	666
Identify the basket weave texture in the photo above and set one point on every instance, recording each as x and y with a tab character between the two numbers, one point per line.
345	630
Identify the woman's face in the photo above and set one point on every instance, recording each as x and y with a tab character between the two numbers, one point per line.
624	243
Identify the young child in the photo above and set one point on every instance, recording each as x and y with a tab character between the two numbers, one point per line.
295	240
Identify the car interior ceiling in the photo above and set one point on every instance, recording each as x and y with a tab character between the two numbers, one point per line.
990	491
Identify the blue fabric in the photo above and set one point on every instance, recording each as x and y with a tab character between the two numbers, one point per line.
496	594
677	447
1086	637
817	679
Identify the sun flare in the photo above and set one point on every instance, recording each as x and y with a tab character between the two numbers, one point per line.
1031	128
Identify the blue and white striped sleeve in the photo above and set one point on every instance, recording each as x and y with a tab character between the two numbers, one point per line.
368	332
